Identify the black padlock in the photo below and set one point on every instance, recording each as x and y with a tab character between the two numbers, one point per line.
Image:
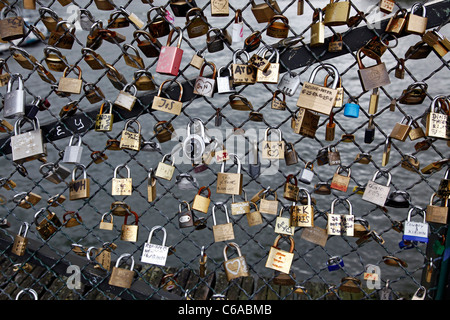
369	134
322	156
398	199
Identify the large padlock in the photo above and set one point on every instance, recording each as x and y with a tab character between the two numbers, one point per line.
63	37
271	74
437	214
121	277
273	149
401	129
185	216
56	172
437	121
230	183
104	121
201	203
130	232
340	224
263	12
374	76
129	139
277	29
150	46
319	98
164	170
20	240
341	182
205	86
14	99
281	260
49	225
396	24
170	57
79	188
377	193
243	73
222	232
415	231
122	186
154	253
166	104
416	24
197	26
337	13
72	152
236	267
29	145
11	28
282	224
126	99
302	215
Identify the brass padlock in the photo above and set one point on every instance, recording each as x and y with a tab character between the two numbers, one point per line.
121	186
269	206
96	35
290	154
437	214
401	129
166	104
271	75
79	188
410	163
239	102
374	76
291	189
70	85
414	94
93	59
241	207
150	46
197	26
336	44
201	203
129	139
222	232
305	122
130	232
386	6
115	77
26	200
151	186
104	121
277	29
181	7
143	80
245	73
337	13
133	60
397	22
318	31
104	5
74	220
63	37
20	240
282	224
11	28
93	93
163	131
115	21
416	24
416	131
159	26
104	225
278	104
49	18
121	277
230	183
23	58
437	120
120	208
47	226
55	60
263	12
273	149
236	267
302	215
220	8
281	260
340	182
164	170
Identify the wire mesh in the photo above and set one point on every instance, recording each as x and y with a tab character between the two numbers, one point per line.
236	132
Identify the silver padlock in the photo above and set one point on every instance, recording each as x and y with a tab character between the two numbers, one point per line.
14	99
29	145
224	83
306	175
72	153
86	19
289	83
55	174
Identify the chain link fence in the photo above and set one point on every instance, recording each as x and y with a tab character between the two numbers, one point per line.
374	263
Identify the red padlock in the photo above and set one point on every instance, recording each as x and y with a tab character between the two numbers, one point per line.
170	57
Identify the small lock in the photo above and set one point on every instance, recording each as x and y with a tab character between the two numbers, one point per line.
351	110
122	186
79	188
164	170
121	277
72	153
130	232
340	224
235	267
129	139
185	217
126	99
205	86
201	203
273	149
222	232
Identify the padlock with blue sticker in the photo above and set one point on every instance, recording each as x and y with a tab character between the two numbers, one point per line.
351	109
335	263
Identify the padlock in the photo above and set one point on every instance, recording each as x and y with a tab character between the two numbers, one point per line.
93	59
64	35
240	207
23	58
397	23
340	224
79	188
289	83
273	149
239	102
335	263
205	86
14	99
104	225
126	99
437	214
335	44
120	208
263	12
416	24
185	216
163	131
334	157
56	172
197	26
74	220
222	232
291	189
215	42
29	145
93	93
290	155
271	75
337	13
4	77
351	110
369	133
115	20
269	206
201	203
164	170
317	30
102	257
415	231
243	74
318	98
341	182
373	101
254	217
49	18
121	277
133	60
151	186
56	200
20	240
11	28
27	200
444	185
305	122
386	6
197	59
414	94
122	186
143	80
96	35
277	29
236	267
72	152
194	144
158	26
224	83
277	103
47	226
281	260
31	110
104	5
230	183
330	128
129	139
130	232
374	76
153	253
386	152
104	121
70	85
420	50
401	129
306	174
237	35
282	224
437	120
181	7
170	57
302	215
398	199
168	105
377	193
54	59
150	46
133	18
253	41
438	43
115	77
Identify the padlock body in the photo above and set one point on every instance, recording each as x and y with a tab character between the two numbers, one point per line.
28	146
169	60
121	277
236	268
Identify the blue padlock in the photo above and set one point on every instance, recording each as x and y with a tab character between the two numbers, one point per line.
351	110
335	263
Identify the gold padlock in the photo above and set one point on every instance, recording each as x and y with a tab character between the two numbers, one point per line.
70	85
201	203
164	131
197	26
337	13
263	12
164	170
131	140
121	186
130	232
168	105
273	149
278	29
79	188
74	220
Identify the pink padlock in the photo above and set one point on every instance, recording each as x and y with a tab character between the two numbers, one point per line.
170	57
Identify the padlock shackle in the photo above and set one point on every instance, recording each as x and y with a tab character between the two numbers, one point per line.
103	104
36	215
245	196
277	240
235	246
136	218
129	122
168	155
269	130
79	166
327	67
196	11
236	160
223	205
341	168
180	37
29	291
127	46
13	78
105	214
71	29
19	197
171	80
382	173
350	208
157	228
87	13
204	188
120	166
125	255
359	59
161	12
304	191
72	213
186	204
148	35
193	121
238	53
18	124
70	68
44	10
78	137
416	208
27	226
419	5
282	209
212	66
